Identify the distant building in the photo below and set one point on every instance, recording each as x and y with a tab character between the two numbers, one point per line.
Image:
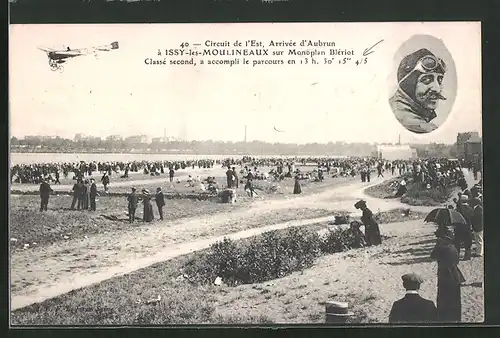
39	138
161	139
395	152
32	138
114	138
136	139
469	146
83	137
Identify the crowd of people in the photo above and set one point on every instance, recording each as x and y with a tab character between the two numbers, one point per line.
51	172
453	234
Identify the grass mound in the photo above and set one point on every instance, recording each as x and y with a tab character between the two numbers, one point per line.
384	189
417	194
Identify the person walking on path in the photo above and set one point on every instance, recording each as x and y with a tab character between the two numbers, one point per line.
171	174
449	278
160	202
372	230
412	308
249	184
132	205
45	191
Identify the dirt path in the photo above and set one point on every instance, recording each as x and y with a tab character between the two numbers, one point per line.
42	273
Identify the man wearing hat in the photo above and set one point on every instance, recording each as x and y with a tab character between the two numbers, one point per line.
45	191
420	77
160	202
132	205
412	308
93	194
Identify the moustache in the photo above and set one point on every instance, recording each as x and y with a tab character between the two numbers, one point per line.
434	95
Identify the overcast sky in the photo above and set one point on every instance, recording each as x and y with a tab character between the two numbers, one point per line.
117	93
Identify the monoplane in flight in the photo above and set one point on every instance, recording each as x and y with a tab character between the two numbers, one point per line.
58	57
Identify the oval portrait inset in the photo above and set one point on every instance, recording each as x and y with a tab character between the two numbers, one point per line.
423	84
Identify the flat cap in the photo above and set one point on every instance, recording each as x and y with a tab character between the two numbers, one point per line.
412	278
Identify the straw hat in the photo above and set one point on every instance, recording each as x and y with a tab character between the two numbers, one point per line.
338	309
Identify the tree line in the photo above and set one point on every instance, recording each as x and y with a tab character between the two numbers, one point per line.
59	144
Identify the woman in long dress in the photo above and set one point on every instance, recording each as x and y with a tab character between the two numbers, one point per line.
148	215
296	188
372	230
450	278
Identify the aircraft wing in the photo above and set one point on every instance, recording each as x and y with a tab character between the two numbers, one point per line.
70	53
46	49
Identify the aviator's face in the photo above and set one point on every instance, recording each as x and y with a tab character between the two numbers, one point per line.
428	87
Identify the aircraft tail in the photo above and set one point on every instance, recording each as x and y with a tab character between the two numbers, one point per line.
114	45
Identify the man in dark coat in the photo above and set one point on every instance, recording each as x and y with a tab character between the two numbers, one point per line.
477	225
463	232
85	195
171	174
249	185
93	194
132	205
449	276
160	202
229	177
235	175
45	191
105	180
412	308
77	193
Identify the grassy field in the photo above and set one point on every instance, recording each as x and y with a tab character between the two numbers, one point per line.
28	225
160	295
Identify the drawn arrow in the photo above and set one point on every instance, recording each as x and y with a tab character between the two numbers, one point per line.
368	51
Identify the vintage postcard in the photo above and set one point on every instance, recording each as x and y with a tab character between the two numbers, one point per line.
287	173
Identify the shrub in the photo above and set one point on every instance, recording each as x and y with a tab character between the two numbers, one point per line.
272	255
332	241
